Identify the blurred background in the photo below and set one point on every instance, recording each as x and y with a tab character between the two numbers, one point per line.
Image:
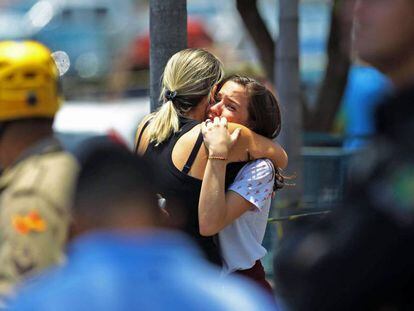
106	86
108	41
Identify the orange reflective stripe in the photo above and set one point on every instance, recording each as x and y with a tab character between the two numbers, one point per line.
30	222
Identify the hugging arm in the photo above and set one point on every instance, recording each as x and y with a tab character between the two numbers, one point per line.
250	146
141	139
218	209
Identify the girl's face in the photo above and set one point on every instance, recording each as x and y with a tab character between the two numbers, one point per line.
231	102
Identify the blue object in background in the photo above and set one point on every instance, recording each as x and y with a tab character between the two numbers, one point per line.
115	270
366	88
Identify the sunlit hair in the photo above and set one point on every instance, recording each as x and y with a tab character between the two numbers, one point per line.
263	107
188	78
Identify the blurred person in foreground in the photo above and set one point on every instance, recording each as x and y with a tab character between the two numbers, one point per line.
38	178
122	258
361	258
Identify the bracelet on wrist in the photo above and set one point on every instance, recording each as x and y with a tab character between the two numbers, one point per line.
217	158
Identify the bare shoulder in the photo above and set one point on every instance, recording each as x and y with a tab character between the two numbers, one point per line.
191	134
185	143
183	149
141	134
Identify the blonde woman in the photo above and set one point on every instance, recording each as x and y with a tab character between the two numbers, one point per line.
172	137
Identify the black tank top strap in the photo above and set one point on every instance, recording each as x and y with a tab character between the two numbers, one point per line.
140	135
232	169
193	154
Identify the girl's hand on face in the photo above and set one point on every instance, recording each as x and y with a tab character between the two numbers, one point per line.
217	138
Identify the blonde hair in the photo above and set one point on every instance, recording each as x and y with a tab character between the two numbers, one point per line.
190	76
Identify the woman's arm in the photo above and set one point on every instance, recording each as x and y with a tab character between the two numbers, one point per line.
218	209
253	146
248	146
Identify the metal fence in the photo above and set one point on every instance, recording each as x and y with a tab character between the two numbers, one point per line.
325	175
325	171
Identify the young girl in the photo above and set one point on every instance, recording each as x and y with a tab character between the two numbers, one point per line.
240	214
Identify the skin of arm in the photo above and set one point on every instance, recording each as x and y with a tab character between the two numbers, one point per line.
216	208
256	146
247	146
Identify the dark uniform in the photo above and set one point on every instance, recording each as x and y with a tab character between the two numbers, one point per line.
362	256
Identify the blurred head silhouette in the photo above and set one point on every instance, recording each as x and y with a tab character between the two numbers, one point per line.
384	36
115	190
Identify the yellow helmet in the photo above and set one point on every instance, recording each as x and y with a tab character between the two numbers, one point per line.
28	81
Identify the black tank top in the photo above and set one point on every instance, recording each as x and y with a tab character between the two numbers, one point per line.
182	191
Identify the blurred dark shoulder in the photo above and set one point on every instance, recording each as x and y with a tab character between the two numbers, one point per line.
360	256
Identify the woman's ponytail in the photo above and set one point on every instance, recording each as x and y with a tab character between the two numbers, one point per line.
188	78
164	123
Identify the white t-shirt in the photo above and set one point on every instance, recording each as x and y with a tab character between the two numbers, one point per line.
241	241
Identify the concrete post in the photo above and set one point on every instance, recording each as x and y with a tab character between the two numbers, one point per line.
168	33
288	87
